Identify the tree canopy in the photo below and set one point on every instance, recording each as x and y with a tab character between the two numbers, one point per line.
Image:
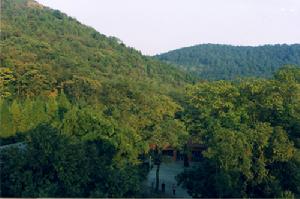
79	112
250	130
217	62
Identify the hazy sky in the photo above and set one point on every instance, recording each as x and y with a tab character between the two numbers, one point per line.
156	26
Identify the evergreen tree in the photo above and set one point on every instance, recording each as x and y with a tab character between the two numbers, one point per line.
18	117
7	126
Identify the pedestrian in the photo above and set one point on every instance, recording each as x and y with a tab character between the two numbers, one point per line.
163	187
152	185
174	189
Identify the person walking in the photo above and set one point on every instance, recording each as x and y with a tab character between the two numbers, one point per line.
163	187
152	185
174	189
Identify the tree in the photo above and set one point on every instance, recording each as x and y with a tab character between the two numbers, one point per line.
168	133
6	80
217	62
7	127
39	168
18	117
243	127
64	105
52	164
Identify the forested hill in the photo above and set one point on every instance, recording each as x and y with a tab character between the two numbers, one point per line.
84	105
46	49
81	114
212	61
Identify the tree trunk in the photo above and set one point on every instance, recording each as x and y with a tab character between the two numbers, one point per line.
157	177
186	160
185	156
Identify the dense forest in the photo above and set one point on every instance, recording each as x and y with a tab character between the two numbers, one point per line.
74	96
49	51
251	130
225	62
80	113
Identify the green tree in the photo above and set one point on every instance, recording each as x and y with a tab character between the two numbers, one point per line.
18	117
244	128
64	105
7	126
6	80
51	164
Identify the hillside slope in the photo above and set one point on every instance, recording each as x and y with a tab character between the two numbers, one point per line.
45	50
212	61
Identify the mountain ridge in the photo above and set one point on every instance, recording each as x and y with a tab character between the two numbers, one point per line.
221	61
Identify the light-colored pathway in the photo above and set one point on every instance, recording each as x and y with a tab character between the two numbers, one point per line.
20	145
167	174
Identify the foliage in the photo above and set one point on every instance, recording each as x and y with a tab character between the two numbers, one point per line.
248	128
52	165
85	107
44	51
216	62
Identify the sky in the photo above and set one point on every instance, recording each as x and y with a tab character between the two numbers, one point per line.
157	26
